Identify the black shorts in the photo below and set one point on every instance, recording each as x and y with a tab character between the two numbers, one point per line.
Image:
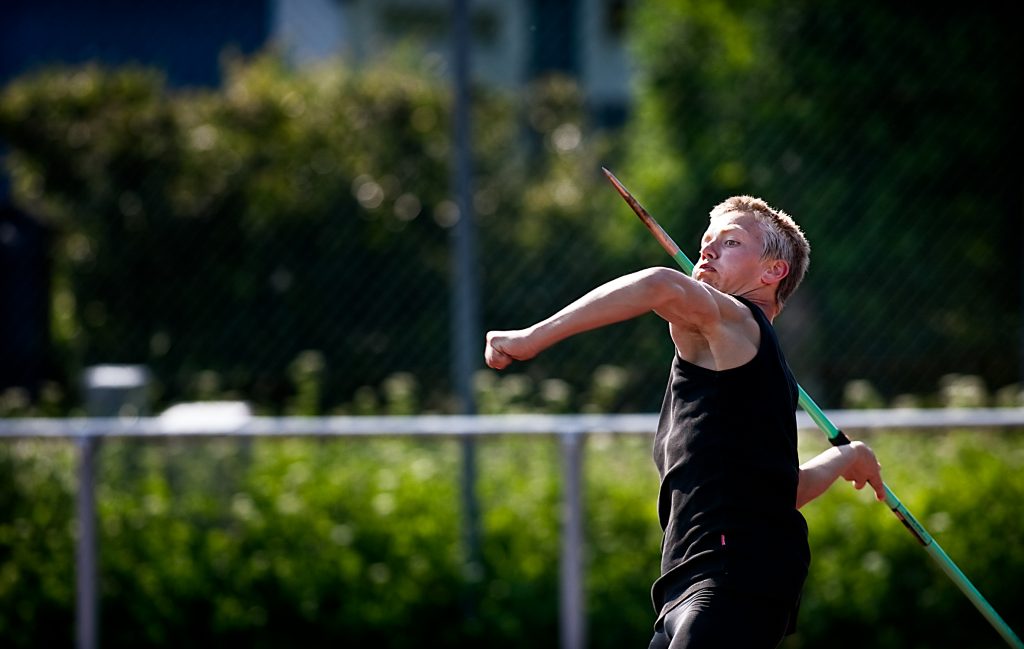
716	617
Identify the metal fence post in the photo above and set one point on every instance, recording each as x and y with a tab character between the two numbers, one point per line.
110	391
465	309
86	587
572	612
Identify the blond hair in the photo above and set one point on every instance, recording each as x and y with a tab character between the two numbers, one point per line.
783	239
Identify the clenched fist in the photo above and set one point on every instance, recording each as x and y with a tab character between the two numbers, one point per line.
503	347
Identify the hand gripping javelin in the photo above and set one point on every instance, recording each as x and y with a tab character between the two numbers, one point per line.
838	438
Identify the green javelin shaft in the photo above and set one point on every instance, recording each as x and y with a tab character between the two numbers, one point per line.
838	438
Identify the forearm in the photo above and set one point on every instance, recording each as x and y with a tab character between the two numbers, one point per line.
665	291
818	474
621	299
855	462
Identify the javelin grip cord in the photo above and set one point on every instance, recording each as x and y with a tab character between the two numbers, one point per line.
838	438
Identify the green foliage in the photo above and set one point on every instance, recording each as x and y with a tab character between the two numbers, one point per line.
218	236
356	542
873	581
890	134
222	237
623	539
36	547
174	205
262	543
283	239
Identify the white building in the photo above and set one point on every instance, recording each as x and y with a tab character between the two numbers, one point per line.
513	40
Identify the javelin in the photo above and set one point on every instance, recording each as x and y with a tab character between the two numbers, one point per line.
838	438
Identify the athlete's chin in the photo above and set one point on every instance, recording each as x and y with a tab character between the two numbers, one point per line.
707	277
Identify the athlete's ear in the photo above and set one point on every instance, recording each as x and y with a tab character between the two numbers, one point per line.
774	271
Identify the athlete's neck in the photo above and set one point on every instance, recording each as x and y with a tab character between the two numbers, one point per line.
768	306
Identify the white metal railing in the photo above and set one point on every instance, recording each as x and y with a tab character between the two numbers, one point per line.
234	420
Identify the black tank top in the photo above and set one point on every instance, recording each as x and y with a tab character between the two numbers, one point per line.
726	451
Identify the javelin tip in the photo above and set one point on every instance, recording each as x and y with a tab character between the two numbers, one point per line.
619	187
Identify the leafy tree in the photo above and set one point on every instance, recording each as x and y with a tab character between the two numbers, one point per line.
225	237
888	132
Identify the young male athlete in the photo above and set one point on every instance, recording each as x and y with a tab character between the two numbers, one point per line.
734	553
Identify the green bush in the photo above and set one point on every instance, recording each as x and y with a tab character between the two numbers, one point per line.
356	542
808	105
37	566
226	237
871	584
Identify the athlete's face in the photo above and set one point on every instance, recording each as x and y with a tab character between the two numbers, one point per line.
730	254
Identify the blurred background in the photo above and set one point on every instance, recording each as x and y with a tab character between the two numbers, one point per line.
261	201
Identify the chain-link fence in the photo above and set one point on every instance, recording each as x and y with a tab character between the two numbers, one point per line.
255	201
284	237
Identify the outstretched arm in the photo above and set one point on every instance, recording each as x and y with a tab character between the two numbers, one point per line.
855	462
671	294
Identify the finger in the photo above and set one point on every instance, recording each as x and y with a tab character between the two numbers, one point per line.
879	488
496	358
490	355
